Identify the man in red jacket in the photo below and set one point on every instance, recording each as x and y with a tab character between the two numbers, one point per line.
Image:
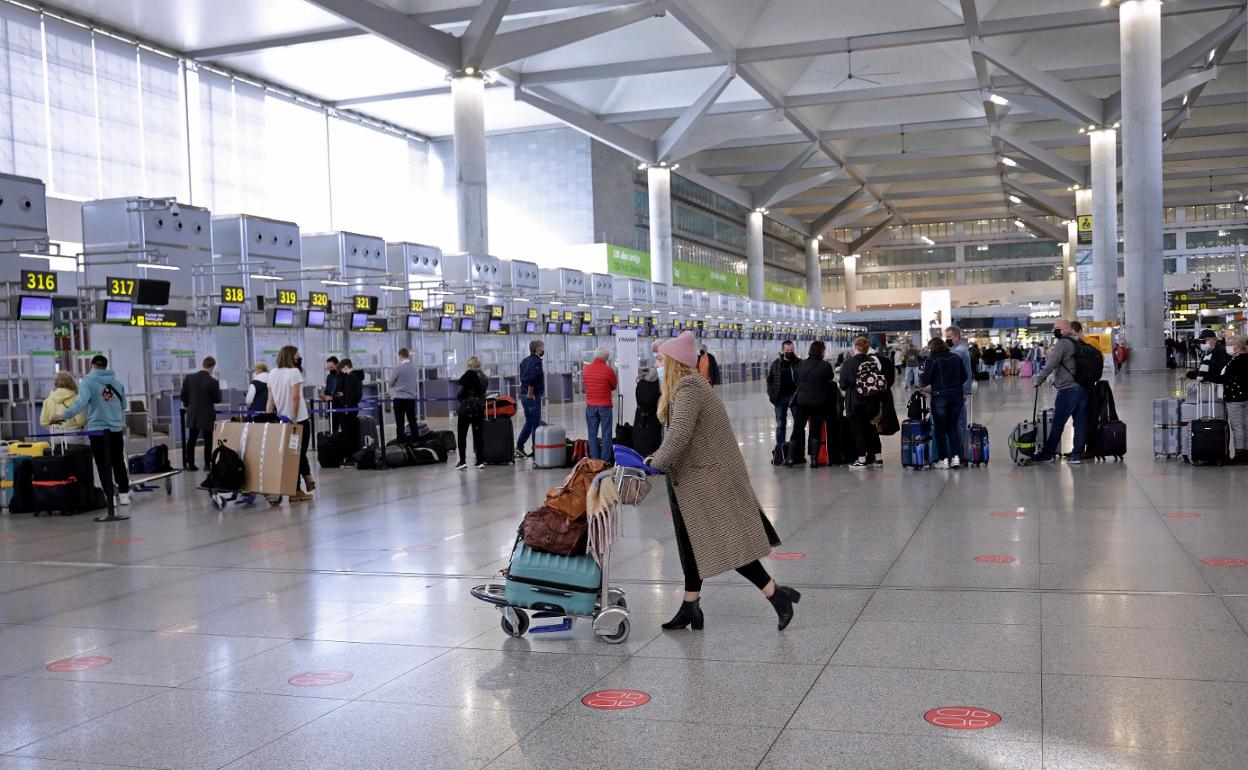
599	380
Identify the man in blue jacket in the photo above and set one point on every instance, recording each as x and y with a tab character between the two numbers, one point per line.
957	346
532	387
103	398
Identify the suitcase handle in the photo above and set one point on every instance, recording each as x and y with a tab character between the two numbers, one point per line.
550	591
65	483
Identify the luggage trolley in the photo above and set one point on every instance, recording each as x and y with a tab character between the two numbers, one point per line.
609	613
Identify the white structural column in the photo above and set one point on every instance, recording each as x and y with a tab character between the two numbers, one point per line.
850	264
814	274
1104	144
467	94
659	182
1139	23
754	255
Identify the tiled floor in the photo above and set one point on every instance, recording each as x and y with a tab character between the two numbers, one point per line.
349	640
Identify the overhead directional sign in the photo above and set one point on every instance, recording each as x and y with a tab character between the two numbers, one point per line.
1083	228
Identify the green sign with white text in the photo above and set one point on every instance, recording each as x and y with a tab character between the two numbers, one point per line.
709	279
628	262
778	292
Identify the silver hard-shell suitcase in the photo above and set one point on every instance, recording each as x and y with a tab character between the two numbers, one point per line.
549	449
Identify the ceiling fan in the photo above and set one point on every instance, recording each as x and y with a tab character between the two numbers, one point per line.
862	73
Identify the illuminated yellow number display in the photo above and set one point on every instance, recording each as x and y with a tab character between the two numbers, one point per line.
361	302
449	308
496	311
37	280
121	287
416	306
532	314
287	297
233	294
319	299
470	310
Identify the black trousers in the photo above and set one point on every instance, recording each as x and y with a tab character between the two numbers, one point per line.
866	440
188	449
404	411
754	572
304	441
109	449
475	423
349	426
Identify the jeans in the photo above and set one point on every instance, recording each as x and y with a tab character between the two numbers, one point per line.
113	466
964	434
404	412
783	405
945	425
188	450
598	420
911	379
1071	402
532	417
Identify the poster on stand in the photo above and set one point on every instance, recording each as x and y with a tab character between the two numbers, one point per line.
936	312
627	362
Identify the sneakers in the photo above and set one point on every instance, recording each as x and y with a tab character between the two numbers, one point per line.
461	466
858	465
1074	459
954	462
480	466
941	465
521	454
123	498
1041	458
877	463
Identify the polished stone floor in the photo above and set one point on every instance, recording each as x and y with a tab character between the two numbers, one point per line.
341	634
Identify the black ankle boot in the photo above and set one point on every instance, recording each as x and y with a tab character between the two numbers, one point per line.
690	614
783	600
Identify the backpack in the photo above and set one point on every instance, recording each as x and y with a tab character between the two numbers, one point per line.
869	380
228	472
154	460
1089	364
261	399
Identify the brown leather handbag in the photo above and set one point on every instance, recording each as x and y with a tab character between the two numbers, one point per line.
549	530
569	497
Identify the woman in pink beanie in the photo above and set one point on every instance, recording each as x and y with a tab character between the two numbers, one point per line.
719	523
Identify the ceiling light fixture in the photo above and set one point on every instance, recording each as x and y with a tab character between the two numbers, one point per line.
390	287
1016	200
332	282
1008	161
998	99
156	266
263	277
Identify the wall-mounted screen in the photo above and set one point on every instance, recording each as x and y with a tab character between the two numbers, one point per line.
465	324
315	319
359	320
117	311
152	292
530	327
585	329
229	315
675	332
446	324
614	328
565	327
283	317
552	327
35	309
413	322
495	326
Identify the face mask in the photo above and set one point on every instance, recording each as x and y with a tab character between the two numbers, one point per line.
1057	334
1207	347
790	355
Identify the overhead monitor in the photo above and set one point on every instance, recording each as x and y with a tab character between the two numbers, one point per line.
283	317
552	327
152	292
315	319
359	320
495	326
465	324
530	327
586	329
229	315
35	309
117	311
413	322
565	327
614	328
446	324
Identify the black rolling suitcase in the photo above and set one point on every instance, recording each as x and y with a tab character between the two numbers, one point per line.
1210	435
499	439
63	483
370	436
329	449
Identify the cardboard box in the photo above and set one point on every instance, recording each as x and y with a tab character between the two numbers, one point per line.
270	453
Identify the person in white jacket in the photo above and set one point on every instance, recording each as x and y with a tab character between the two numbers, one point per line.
257	399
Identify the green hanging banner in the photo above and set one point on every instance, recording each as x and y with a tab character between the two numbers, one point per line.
709	279
629	263
789	295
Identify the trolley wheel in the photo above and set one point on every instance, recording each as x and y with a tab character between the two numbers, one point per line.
169	485
522	624
620	635
218	502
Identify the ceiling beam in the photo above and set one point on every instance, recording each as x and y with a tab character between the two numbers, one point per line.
611	135
1042	105
765	194
481	30
426	42
871	236
1040	199
673	141
1039	227
1064	94
1050	160
622	69
530	41
793	189
827	220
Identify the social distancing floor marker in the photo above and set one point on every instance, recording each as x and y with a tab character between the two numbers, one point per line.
125	540
962	718
85	663
788	556
996	559
319	678
1225	561
8	538
615	700
1009	514
1181	515
265	544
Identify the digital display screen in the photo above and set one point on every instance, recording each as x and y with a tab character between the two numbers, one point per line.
552	327
565	327
585	329
283	317
315	319
229	315
152	292
675	333
465	324
496	311
359	320
120	287
446	324
117	311
495	325
413	323
415	306
614	328
530	327
37	309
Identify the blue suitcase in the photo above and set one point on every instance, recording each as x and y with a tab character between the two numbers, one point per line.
978	438
536	580
916	443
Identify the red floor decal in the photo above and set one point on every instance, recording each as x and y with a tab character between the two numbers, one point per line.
1225	562
79	664
125	540
615	700
319	678
789	556
962	718
1181	515
265	544
996	559
8	538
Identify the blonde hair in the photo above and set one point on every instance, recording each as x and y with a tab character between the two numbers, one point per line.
673	372
260	367
65	380
1239	341
474	363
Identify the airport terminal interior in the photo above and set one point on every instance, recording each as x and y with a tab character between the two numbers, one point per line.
337	241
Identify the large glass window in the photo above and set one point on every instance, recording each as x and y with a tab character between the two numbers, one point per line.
23	128
901	257
1208	239
72	109
1022	274
1014	250
907	279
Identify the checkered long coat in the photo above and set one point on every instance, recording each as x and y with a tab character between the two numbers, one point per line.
701	458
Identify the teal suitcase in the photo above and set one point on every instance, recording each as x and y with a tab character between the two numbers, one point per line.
542	581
